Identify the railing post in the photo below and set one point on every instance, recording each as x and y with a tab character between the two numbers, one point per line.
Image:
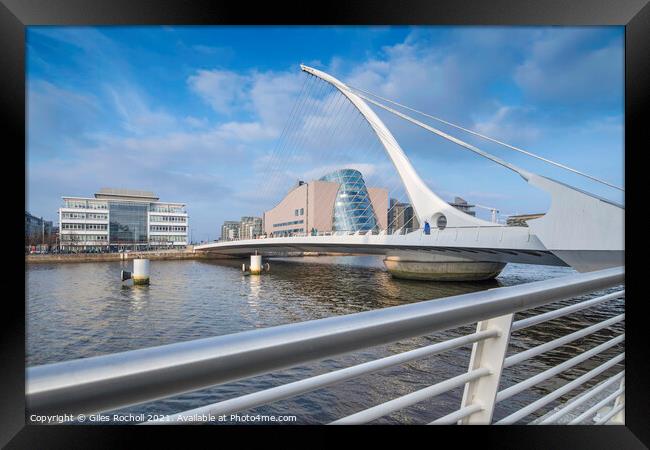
619	418
489	353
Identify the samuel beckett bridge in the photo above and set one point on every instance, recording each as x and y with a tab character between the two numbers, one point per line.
579	230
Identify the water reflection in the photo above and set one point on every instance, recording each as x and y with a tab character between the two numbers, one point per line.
255	287
139	297
82	310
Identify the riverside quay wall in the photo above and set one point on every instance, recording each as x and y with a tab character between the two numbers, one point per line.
102	257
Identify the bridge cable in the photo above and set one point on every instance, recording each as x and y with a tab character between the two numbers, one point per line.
396	189
304	129
453	139
487	155
273	168
512	147
359	138
369	180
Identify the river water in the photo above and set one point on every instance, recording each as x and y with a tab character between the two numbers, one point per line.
82	310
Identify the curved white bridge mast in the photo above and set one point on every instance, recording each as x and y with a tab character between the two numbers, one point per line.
580	229
583	230
427	204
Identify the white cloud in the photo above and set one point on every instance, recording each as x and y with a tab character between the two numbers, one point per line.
267	96
246	131
224	90
423	77
137	115
196	122
57	115
513	125
559	68
214	51
614	124
273	95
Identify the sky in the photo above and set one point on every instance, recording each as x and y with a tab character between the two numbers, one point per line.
203	114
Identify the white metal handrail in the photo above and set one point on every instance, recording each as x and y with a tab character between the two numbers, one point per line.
317	382
606	418
532	381
586	397
523	412
113	381
557	313
411	399
594	409
535	351
455	416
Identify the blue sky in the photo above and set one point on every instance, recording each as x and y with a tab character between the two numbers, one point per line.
195	113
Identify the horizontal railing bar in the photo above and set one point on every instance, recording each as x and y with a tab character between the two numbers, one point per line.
109	382
557	393
615	410
534	320
452	418
410	399
319	381
585	397
532	381
543	348
594	409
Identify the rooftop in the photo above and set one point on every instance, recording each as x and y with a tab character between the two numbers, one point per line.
460	201
531	215
132	193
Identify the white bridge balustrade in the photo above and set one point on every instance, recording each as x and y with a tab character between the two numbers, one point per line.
109	382
485	243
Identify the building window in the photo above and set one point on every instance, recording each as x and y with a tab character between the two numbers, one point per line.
128	222
302	211
284	224
155	218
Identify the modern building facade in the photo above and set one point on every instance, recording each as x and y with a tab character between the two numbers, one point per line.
118	219
338	201
401	217
250	227
37	230
462	205
230	230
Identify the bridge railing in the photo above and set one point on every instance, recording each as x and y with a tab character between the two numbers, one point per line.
109	382
385	232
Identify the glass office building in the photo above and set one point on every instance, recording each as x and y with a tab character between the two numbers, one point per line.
36	228
353	210
121	219
128	222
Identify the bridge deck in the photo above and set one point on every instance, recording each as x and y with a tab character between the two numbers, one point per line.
498	243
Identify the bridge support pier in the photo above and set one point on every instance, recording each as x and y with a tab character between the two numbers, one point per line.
256	264
413	265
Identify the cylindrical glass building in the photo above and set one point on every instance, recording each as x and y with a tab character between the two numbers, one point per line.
353	209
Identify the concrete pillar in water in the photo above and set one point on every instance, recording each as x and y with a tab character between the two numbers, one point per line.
414	265
140	271
256	264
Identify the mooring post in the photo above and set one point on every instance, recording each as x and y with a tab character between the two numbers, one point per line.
140	271
256	264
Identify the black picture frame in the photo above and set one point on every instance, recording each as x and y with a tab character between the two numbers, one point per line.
15	15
